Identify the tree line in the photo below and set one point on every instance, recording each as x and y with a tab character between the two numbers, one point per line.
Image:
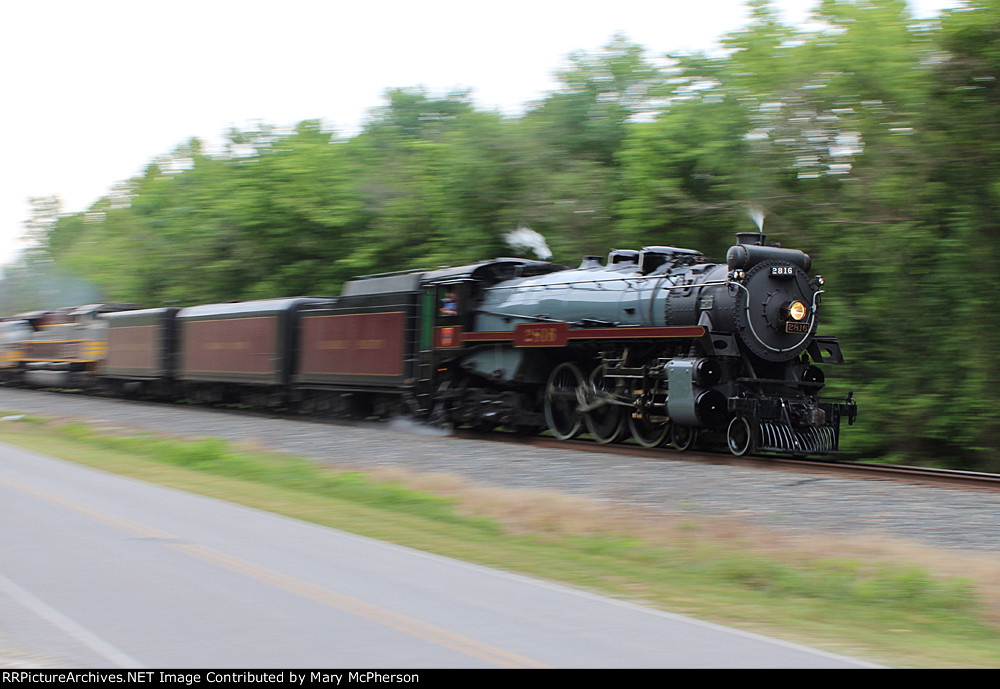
867	139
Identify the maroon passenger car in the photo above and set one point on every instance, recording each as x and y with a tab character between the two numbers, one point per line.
250	342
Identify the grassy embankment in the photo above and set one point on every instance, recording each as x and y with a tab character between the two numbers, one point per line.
862	599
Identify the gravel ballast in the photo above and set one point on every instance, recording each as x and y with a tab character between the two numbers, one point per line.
788	501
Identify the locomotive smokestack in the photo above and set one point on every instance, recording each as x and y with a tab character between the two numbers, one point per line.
755	238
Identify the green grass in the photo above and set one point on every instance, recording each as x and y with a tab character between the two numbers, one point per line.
885	611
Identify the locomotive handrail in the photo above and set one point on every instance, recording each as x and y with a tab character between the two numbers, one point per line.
392	272
627	279
543	319
812	322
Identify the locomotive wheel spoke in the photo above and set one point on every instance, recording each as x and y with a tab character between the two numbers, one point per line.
647	433
561	415
606	422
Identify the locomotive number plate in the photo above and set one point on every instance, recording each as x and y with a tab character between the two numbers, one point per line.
540	335
782	271
797	327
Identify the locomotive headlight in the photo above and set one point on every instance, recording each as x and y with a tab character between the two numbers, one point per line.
796	311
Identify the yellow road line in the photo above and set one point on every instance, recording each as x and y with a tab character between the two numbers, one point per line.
360	608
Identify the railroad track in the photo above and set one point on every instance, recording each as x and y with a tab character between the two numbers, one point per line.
901	473
923	475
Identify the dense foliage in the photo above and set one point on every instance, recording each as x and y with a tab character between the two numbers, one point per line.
866	140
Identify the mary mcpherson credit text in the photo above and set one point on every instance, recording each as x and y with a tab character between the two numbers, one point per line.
285	677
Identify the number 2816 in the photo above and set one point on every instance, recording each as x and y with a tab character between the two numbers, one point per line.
540	335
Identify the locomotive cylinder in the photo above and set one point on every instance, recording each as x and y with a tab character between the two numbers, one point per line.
688	402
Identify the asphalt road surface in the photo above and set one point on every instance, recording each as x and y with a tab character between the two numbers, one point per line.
101	571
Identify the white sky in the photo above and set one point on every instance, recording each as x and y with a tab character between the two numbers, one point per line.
93	90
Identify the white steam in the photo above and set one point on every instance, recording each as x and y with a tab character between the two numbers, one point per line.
526	239
406	424
756	213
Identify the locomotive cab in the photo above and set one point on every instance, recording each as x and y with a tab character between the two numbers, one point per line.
453	296
464	367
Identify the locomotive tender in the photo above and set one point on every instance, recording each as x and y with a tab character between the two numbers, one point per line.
658	345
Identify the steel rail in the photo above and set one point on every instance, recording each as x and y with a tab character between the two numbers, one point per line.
859	470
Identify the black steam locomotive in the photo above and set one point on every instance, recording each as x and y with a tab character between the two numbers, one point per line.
656	345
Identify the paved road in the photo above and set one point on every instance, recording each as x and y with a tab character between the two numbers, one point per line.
97	570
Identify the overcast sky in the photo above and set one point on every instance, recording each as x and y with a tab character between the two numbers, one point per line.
93	90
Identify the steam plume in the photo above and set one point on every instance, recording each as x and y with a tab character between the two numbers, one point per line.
526	239
756	213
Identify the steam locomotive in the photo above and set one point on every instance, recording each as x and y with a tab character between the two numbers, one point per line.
658	345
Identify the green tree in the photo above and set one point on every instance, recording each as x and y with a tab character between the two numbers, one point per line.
599	95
